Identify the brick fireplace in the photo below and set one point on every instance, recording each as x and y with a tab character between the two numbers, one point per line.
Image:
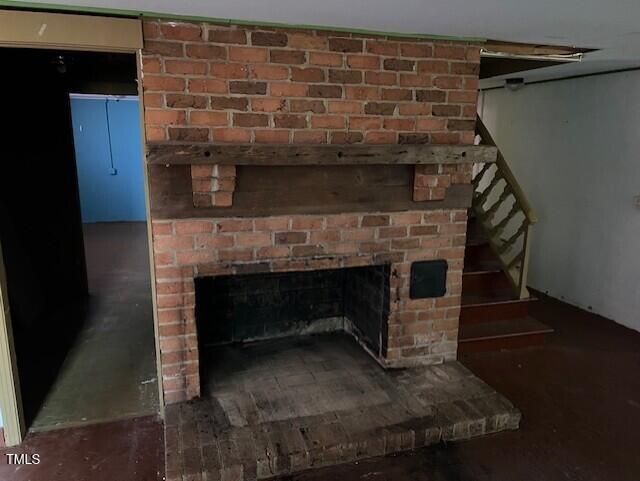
279	152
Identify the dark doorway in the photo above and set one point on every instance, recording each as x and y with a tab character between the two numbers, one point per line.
79	295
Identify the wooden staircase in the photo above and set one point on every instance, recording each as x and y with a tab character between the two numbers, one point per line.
495	299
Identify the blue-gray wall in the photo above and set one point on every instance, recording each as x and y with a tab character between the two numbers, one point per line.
107	142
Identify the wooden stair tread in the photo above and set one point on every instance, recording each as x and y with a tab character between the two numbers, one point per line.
508	328
473	301
494	311
503	295
476	241
479	253
482	267
482	272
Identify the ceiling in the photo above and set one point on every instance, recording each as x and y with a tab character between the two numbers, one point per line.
610	27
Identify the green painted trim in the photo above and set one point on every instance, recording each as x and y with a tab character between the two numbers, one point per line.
227	21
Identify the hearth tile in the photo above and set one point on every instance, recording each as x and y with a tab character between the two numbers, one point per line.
211	461
294	380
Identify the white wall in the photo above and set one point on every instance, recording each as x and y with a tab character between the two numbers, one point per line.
574	146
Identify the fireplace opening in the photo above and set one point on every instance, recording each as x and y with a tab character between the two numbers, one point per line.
253	307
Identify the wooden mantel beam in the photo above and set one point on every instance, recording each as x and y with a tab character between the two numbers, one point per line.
171	153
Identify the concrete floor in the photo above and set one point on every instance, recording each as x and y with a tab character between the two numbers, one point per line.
579	396
110	371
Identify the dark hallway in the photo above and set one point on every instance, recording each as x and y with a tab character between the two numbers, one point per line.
80	298
109	372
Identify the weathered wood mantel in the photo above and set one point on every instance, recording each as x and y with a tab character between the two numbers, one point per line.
173	153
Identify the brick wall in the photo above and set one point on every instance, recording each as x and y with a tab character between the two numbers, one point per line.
208	83
233	84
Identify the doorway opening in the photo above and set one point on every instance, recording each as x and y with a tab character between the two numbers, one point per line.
74	237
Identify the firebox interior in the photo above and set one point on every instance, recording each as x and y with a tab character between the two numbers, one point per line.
250	307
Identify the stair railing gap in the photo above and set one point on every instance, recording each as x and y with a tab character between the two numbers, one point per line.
514	258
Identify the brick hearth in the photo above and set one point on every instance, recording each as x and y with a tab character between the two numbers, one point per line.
280	407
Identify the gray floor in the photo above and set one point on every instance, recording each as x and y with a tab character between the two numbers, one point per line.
110	373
